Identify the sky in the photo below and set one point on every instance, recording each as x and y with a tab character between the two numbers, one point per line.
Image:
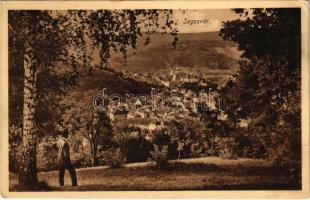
212	19
215	16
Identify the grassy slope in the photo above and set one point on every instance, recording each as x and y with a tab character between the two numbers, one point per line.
113	83
190	174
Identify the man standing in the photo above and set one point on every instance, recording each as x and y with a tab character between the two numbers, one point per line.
64	160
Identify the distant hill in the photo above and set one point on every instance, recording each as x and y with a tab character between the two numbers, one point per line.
202	50
113	83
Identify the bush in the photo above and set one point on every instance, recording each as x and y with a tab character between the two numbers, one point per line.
243	146
198	149
136	149
81	160
226	148
47	154
160	156
226	153
113	158
161	138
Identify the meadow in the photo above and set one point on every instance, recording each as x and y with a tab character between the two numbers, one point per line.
210	173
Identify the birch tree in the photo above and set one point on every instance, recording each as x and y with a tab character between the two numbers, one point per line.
52	46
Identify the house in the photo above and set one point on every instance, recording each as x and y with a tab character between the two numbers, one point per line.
142	123
119	114
180	76
173	86
203	82
185	77
192	78
145	124
165	82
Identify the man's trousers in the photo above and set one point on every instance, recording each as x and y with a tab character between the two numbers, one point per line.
62	168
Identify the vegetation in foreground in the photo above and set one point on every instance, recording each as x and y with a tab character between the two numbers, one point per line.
241	174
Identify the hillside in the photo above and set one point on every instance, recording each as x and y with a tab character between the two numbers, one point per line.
202	50
114	84
207	51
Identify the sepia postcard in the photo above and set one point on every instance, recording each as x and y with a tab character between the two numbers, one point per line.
154	99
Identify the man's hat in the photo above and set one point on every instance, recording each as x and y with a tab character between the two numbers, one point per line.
65	133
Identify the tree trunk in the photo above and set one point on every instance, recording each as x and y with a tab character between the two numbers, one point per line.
212	144
94	161
94	153
28	165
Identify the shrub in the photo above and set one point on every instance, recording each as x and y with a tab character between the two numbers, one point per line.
198	149
226	148
113	158
81	160
226	153
80	152
161	138
136	149
160	156
243	145
47	154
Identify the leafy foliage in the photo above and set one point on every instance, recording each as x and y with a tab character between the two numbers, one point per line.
48	154
52	49
160	156
266	92
113	157
136	149
226	148
93	125
184	133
